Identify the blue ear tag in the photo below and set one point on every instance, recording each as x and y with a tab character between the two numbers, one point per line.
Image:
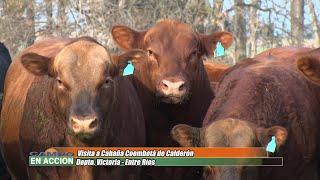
219	51
129	69
271	147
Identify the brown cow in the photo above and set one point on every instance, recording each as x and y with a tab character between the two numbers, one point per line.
214	70
172	84
309	65
280	52
68	92
254	101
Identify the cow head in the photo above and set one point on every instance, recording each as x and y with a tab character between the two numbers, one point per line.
84	80
228	133
309	65
174	55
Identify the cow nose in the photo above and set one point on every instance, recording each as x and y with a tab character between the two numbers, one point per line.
173	88
86	125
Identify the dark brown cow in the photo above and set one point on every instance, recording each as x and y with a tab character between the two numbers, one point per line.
254	101
172	84
5	61
68	92
309	65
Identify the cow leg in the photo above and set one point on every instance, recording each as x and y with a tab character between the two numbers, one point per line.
4	174
16	166
310	172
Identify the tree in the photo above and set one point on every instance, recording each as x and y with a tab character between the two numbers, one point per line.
297	17
253	26
218	16
315	22
30	16
62	18
49	15
240	31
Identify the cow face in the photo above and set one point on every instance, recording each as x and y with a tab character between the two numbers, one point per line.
228	133
85	83
174	55
309	65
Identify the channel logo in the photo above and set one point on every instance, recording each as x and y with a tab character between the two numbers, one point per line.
51	157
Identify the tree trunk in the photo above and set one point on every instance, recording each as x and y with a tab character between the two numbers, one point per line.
218	19
48	4
297	17
253	24
240	31
30	15
62	18
315	22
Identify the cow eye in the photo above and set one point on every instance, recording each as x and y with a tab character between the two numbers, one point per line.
59	80
150	53
107	82
60	84
194	53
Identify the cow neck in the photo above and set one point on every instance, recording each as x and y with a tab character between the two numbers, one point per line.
143	86
111	121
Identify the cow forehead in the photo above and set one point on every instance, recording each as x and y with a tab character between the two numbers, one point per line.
171	34
82	60
229	132
83	52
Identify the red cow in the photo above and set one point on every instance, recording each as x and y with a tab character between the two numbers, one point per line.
257	99
172	83
69	92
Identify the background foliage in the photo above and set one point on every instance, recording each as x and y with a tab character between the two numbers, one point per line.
256	24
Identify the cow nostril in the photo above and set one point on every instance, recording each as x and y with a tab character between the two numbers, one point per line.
182	87
94	123
164	85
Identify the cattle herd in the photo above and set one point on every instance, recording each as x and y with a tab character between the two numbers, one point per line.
71	92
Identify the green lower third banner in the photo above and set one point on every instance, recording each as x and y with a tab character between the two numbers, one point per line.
71	161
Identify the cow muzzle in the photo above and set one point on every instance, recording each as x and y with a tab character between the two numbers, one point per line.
173	91
86	125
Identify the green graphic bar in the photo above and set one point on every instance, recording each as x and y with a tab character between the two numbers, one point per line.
278	161
209	161
149	161
51	161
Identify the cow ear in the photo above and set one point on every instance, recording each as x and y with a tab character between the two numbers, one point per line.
309	66
264	135
134	55
209	42
127	38
186	136
36	64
